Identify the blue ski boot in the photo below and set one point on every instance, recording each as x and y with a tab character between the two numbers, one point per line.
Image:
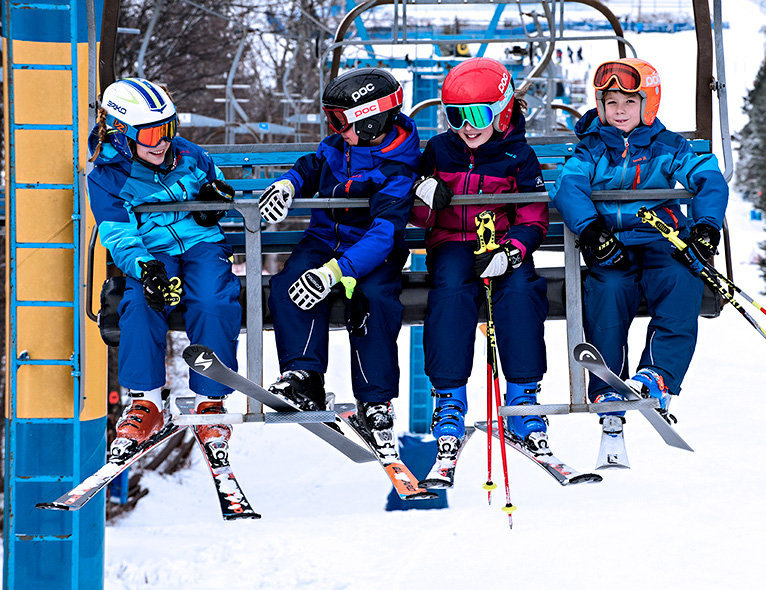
650	384
608	396
449	413
531	430
448	427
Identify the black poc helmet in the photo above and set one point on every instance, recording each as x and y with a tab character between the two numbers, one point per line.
367	98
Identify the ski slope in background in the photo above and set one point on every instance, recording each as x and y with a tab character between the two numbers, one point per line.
675	520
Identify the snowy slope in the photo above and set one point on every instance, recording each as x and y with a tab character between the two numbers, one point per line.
675	520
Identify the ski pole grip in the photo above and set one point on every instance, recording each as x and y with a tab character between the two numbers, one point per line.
485	232
652	219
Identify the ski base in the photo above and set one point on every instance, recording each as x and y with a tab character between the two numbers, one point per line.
404	482
552	465
612	453
589	357
442	474
86	490
205	362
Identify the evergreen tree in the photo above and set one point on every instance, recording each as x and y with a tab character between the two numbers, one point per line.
751	168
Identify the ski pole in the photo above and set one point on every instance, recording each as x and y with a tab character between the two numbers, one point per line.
709	275
485	233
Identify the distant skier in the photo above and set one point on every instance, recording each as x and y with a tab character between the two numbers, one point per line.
371	155
484	151
170	258
624	146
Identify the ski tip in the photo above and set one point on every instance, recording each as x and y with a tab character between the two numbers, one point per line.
435	484
586	478
52	506
606	466
243	516
192	351
420	495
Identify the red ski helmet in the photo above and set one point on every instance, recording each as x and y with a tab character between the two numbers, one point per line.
478	91
630	75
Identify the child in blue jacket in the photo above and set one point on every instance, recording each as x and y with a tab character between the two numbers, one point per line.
169	258
372	155
624	146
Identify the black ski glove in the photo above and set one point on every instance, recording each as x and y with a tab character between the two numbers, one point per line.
500	261
158	290
216	191
603	244
703	241
433	191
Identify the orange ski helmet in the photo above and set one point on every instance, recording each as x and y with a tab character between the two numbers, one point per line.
630	75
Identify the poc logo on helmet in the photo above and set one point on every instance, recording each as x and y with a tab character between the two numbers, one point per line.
362	91
117	107
366	110
653	80
503	83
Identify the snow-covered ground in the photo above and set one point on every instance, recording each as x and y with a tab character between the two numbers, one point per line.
674	520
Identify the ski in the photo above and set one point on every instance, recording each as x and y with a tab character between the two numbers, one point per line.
404	482
552	465
442	474
611	452
234	504
589	357
203	360
85	491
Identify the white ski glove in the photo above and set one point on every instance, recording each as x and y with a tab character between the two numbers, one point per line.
276	200
434	192
497	262
314	285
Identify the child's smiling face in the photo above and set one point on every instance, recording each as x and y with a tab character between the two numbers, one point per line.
154	155
622	111
473	137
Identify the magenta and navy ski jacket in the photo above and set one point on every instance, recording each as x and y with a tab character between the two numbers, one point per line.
649	157
505	164
363	237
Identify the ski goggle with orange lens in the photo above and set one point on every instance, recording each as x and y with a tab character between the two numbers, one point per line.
340	119
479	116
627	78
146	135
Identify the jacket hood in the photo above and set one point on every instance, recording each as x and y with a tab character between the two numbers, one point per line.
401	145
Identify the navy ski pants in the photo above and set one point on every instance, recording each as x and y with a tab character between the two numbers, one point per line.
212	315
519	304
612	296
302	337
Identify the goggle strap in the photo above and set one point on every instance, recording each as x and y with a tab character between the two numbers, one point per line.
381	105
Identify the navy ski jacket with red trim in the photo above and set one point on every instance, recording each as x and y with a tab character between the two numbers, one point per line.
383	174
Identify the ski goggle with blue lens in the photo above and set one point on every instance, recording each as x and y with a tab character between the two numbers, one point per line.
479	116
146	135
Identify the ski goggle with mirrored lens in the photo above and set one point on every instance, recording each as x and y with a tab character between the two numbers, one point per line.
627	78
341	119
479	116
146	135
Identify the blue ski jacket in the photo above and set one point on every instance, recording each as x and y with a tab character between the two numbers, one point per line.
382	174
117	184
504	164
649	157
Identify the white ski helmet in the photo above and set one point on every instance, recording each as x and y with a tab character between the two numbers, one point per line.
141	110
